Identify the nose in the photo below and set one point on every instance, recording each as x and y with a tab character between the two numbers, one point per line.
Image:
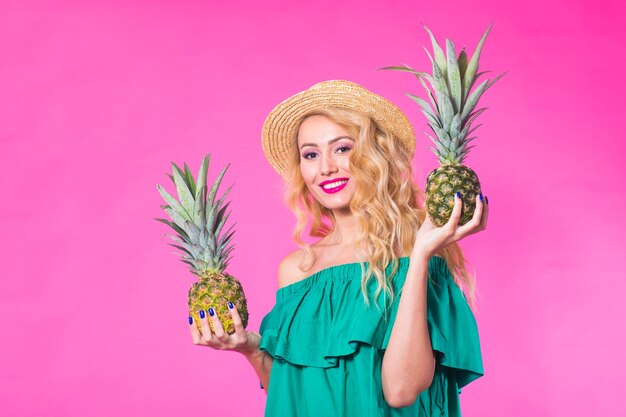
328	165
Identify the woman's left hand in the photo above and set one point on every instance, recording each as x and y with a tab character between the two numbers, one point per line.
430	239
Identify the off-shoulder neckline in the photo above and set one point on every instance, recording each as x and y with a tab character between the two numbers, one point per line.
302	281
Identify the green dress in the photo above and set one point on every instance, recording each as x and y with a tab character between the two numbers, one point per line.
328	345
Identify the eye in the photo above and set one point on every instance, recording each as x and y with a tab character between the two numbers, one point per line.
345	147
307	155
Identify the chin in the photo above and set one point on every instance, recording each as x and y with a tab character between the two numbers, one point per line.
337	206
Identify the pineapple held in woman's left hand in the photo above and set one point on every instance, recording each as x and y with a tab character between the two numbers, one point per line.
199	222
450	118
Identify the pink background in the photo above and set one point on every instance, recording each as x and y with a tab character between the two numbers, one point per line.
98	98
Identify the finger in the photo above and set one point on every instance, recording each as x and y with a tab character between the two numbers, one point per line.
217	325
485	213
456	211
195	333
234	313
204	325
474	224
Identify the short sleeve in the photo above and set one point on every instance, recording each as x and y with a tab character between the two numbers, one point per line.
452	326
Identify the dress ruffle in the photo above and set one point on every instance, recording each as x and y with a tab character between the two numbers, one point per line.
323	317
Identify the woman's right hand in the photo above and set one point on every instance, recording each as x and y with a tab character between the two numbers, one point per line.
242	341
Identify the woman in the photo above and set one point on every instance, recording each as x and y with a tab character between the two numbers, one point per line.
369	320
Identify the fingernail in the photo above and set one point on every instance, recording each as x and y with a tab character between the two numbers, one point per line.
230	305
190	320
481	197
458	194
201	314
486	200
211	312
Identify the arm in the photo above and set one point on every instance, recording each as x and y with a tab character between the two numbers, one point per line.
262	364
261	361
243	341
409	364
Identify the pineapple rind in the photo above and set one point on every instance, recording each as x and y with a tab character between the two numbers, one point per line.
215	291
441	185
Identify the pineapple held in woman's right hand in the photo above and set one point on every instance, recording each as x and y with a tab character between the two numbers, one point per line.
199	220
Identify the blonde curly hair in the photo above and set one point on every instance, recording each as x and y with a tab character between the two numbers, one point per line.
387	215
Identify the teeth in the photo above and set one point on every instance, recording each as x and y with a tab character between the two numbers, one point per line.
334	184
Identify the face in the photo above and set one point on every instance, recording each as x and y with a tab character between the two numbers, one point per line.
324	149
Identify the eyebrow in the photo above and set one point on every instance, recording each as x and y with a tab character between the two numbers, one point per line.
329	142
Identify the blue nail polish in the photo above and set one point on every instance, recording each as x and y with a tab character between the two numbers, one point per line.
230	305
481	197
190	320
201	314
458	194
211	312
486	200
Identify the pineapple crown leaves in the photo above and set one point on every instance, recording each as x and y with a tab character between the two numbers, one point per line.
452	110
198	219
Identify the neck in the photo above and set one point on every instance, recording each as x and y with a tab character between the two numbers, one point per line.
344	233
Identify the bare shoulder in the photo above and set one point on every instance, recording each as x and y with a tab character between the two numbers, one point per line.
288	269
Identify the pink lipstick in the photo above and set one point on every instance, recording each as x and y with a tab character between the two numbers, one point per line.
334	185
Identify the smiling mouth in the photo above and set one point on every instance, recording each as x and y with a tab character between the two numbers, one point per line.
333	187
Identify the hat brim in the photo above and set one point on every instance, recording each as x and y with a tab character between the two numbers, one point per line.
281	125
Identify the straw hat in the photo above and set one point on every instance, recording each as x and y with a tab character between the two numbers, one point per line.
281	125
